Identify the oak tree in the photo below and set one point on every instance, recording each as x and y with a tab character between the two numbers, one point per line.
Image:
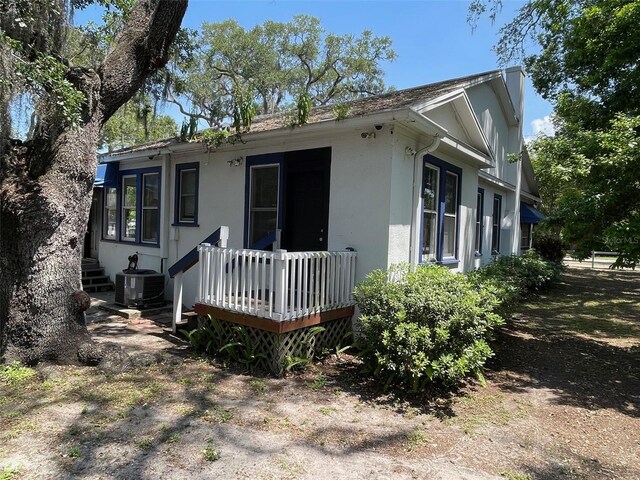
46	180
225	67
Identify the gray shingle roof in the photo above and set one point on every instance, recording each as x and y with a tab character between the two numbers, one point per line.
356	108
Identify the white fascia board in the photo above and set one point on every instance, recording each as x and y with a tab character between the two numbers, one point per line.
487	177
470	154
476	122
438	101
529	196
461	104
500	87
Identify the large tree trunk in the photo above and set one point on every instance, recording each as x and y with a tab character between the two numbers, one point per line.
45	197
42	231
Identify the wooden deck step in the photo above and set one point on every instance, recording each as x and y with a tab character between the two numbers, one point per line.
189	321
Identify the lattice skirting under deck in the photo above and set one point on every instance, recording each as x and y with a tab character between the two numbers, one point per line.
279	348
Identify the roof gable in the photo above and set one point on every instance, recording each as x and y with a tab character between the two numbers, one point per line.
454	112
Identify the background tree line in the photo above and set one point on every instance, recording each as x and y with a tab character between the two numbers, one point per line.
223	71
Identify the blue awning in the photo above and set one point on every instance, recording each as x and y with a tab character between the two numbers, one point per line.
528	214
106	175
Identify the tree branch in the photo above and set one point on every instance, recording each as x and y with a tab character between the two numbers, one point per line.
141	47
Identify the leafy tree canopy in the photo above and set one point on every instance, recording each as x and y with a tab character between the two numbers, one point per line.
586	55
39	45
586	61
226	71
135	123
590	183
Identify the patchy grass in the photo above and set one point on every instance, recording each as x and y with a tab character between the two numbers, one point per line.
326	411
511	475
18	429
211	453
145	444
294	469
15	375
560	402
9	473
319	382
417	438
74	452
583	304
258	386
482	409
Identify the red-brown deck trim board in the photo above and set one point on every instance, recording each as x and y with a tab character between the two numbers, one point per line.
273	325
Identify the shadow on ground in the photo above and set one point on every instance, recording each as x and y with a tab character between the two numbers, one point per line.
579	340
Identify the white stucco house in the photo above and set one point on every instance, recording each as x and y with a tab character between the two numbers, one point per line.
420	175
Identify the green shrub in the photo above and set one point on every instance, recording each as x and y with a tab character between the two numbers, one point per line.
236	344
512	278
549	247
425	325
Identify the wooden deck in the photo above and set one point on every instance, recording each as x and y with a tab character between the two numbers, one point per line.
275	326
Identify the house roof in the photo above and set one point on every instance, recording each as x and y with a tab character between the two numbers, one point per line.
390	101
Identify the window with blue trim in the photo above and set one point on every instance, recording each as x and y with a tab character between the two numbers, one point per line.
132	209
496	220
479	220
440	210
186	199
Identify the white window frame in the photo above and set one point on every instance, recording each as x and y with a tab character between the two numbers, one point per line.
253	209
124	207
454	215
107	209
183	195
144	209
433	249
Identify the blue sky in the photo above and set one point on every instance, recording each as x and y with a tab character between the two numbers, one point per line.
431	37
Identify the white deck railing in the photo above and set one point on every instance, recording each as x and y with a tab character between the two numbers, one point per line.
278	285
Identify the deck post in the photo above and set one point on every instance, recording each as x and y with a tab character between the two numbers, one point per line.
281	283
276	243
177	301
224	236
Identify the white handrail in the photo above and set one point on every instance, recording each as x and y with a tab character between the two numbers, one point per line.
278	285
177	280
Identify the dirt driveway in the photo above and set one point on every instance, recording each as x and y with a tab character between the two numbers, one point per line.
562	401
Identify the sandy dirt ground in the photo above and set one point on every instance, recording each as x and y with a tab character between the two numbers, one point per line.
562	400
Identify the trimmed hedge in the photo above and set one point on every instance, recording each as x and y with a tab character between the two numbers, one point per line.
427	325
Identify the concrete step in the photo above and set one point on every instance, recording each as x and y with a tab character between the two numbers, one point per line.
99	287
95	280
88	271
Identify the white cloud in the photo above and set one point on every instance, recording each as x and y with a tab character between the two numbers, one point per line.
543	126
